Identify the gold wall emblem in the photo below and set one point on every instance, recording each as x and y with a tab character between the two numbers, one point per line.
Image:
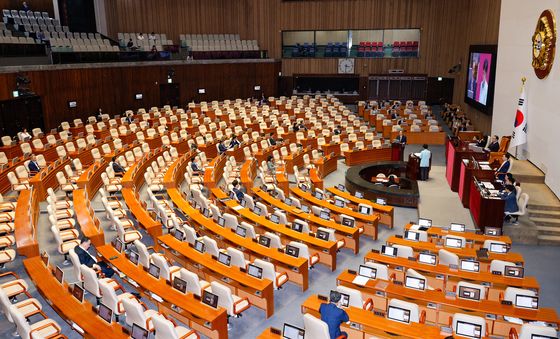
544	44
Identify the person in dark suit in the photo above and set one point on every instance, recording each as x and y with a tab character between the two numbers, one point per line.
482	142
494	144
333	315
233	142
222	147
504	167
401	138
89	260
271	140
33	165
510	201
25	6
239	194
117	168
338	130
394	114
197	169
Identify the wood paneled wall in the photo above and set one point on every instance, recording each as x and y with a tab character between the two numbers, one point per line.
448	28
36	5
113	88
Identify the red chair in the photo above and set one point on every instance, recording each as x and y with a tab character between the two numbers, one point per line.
396	49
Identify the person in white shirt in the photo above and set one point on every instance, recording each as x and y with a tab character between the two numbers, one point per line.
484	84
140	36
425	156
24	135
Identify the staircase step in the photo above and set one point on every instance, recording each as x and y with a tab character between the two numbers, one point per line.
549	240
546	221
543	207
544	214
548	230
529	179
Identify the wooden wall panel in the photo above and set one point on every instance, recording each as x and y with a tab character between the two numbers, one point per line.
113	88
36	5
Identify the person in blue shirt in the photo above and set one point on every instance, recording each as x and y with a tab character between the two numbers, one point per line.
504	167
239	194
510	198
333	316
196	167
33	165
425	156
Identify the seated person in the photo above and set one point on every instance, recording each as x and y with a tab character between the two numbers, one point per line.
271	140
24	135
338	130
222	147
510	201
117	168
270	165
89	260
392	183
33	165
494	145
239	194
233	142
196	166
333	315
482	142
504	167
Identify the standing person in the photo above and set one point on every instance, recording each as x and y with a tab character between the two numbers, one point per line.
333	316
89	260
401	138
25	6
425	156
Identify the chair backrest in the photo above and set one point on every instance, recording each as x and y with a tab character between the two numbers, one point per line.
511	292
404	251
315	327
164	328
143	254
134	312
211	246
269	271
5	304
193	282
109	296
528	330
448	258
275	241
91	283
76	265
356	299
225	298
414	309
237	257
499	265
303	249
23	327
479	287
160	261
522	203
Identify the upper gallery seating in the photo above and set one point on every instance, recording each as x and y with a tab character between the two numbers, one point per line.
371	49
32	21
405	49
146	43
219	46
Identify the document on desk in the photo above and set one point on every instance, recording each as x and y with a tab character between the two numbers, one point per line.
483	163
485	167
493	191
237	207
488	185
418	155
360	280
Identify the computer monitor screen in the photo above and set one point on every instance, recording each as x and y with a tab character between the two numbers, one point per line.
526	301
206	212
224	258
179	235
243	202
45	258
210	299
427	258
364	210
344	298
59	274
542	336
292	251
275	219
347	222
257	210
425	222
381	201
398	314
514	271
325	215
221	221
78	292
388	250
323	235
492	231
264	240
241	231
368	272
292	332
469	293
298	227
341	187
133	256
180	285
470	265
118	245
416	283
497	248
411	235
468	329
139	332
232	195
199	246
105	313
338	203
154	271
318	195
255	271
457	227
288	201
305	208
453	242
359	195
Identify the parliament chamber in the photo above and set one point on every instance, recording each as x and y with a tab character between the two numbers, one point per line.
216	169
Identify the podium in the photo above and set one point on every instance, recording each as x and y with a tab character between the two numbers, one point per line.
413	167
397	151
456	151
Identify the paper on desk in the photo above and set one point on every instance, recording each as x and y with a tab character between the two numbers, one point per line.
493	191
488	185
360	280
238	207
483	163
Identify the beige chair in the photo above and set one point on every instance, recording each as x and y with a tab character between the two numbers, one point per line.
46	328
315	327
165	329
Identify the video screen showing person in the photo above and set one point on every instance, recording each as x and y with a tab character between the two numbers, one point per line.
479	77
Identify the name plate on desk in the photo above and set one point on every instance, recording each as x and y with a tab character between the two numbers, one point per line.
78	328
132	282
440	276
356	326
380	294
156	297
295	269
258	293
399	268
490	316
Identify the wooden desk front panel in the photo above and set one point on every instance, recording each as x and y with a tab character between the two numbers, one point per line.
353	158
27	213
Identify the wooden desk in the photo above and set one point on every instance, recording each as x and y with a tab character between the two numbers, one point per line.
351	235
326	165
213	172
267	334
467	172
89	223
370	222
260	292
385	212
444	278
486	211
27	213
368	155
420	138
139	210
325	249
445	307
47	177
374	325
69	308
201	318
461	252
438	233
455	152
248	172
